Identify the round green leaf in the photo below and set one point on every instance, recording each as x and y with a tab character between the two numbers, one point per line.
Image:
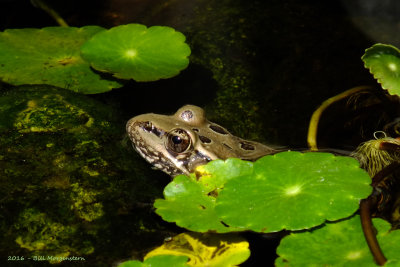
289	190
338	244
383	61
50	56
215	174
158	261
293	190
190	201
188	205
136	52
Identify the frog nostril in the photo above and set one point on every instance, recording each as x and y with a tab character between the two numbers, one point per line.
146	125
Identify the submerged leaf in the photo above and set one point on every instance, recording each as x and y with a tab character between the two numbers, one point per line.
134	51
206	249
383	61
158	261
50	56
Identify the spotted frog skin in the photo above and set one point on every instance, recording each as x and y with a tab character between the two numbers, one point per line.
177	144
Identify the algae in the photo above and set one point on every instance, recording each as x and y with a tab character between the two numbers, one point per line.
68	184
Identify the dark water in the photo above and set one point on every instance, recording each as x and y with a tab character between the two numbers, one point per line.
284	57
296	54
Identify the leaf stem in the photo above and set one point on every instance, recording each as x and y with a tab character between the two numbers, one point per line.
42	5
370	237
313	125
365	214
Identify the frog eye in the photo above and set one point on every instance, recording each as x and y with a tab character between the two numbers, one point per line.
178	140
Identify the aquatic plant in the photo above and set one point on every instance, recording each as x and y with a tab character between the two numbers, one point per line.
136	52
315	196
158	261
63	56
383	61
50	56
379	157
213	249
317	193
235	195
200	250
337	244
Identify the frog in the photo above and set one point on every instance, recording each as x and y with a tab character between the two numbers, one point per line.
176	144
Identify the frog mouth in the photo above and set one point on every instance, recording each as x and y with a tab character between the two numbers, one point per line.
155	158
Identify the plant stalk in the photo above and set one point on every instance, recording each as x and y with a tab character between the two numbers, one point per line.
313	125
370	237
42	5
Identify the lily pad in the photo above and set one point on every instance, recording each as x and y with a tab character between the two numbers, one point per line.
215	174
288	190
206	249
383	61
50	56
293	190
190	202
338	244
134	51
158	261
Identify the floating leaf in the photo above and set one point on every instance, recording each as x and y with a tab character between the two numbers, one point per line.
383	61
215	174
293	190
288	190
158	261
206	249
134	51
50	56
188	204
338	244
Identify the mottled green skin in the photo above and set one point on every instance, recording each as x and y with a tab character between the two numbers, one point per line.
68	182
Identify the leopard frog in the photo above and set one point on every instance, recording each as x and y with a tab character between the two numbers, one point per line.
177	144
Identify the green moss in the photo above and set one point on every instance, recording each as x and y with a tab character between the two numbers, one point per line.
65	177
51	113
225	50
37	232
85	203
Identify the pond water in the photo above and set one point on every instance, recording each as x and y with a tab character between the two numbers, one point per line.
259	68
